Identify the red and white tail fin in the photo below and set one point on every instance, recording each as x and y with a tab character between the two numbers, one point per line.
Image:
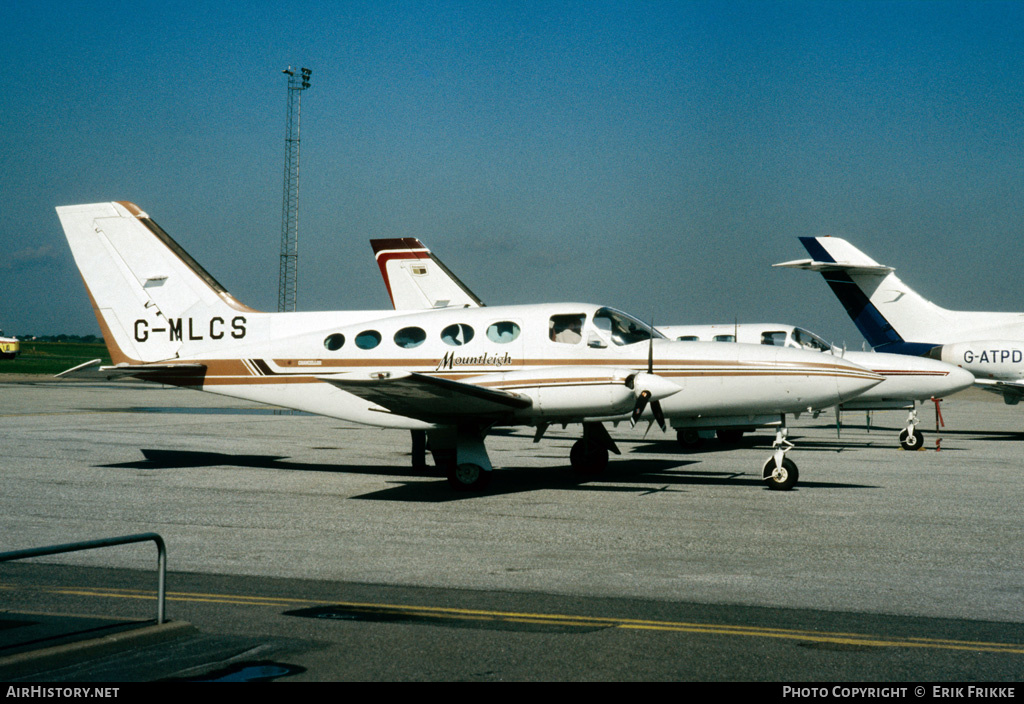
416	279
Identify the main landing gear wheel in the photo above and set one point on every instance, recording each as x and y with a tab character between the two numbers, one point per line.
588	458
780	477
911	439
468	477
689	439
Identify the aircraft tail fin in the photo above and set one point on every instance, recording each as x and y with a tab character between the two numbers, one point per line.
891	316
150	297
416	279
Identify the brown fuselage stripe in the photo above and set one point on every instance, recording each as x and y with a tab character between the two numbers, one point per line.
234	373
432	363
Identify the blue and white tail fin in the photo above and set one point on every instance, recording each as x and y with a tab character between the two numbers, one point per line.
152	300
416	279
891	316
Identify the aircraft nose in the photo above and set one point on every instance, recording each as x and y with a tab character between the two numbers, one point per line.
957	380
853	380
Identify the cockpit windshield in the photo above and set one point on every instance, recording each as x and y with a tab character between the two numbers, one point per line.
623	329
809	341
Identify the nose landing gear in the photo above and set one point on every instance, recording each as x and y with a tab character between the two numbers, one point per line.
779	472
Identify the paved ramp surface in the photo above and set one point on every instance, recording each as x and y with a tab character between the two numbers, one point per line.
928	542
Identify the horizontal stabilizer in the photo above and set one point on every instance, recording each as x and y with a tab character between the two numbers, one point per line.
813	265
428	398
87	369
95	370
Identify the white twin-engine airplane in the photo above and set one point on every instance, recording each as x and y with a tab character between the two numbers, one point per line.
894	318
417	279
908	380
452	372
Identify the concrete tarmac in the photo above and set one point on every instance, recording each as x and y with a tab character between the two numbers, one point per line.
247	492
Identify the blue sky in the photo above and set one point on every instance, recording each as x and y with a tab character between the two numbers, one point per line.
654	156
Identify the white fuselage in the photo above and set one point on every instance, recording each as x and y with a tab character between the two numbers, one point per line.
990	345
282	358
165	319
906	379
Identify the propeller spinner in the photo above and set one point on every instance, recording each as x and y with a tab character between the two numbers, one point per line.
650	388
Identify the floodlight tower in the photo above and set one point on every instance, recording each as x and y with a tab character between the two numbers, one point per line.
288	279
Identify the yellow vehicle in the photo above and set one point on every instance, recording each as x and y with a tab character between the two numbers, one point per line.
9	347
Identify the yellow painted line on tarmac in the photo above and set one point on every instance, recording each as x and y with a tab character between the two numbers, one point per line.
113	593
53	413
566	620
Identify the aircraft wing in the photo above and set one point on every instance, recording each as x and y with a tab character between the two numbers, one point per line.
428	398
1012	392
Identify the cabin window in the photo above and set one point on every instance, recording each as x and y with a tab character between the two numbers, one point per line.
503	332
809	341
367	339
408	338
688	338
334	342
777	338
457	334
724	338
567	329
621	328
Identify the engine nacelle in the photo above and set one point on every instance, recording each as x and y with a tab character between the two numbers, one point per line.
986	359
572	391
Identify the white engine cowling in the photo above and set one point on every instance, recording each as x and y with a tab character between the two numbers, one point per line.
571	391
986	359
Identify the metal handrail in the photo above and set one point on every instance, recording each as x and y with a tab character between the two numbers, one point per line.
161	559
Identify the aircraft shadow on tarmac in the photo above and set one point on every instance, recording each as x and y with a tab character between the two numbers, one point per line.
187	459
885	431
427	485
988	435
762	442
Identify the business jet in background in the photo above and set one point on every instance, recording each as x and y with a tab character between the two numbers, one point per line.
892	317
